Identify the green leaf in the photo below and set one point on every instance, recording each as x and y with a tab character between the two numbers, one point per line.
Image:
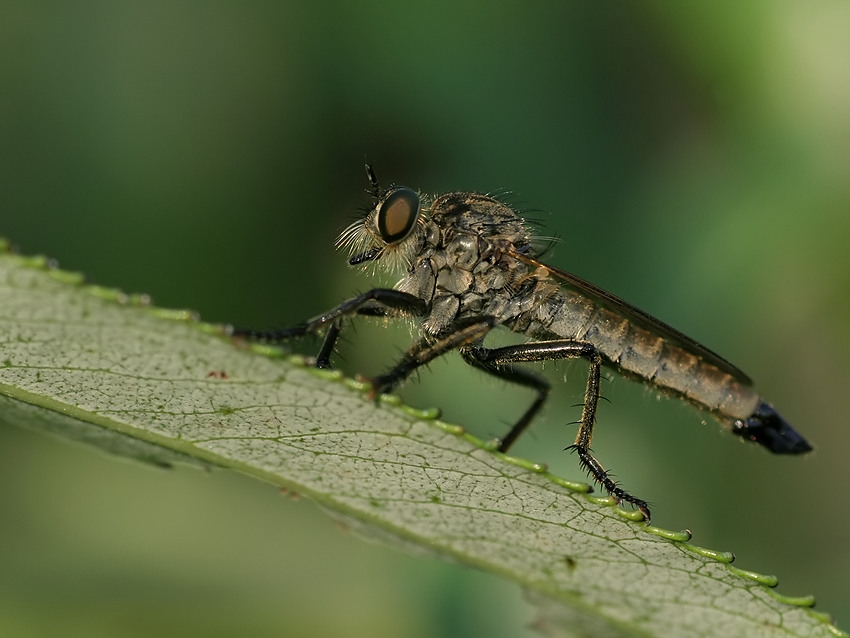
102	367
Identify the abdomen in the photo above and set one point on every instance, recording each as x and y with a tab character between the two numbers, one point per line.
637	350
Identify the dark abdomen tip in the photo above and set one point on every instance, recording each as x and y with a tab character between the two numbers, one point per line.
767	427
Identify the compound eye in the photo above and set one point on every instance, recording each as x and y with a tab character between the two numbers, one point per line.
397	214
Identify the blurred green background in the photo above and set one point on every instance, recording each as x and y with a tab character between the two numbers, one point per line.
693	158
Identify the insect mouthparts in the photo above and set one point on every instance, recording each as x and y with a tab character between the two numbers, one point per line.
369	255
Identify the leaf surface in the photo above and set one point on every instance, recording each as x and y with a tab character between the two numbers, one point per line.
100	367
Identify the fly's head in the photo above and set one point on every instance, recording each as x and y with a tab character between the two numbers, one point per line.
392	233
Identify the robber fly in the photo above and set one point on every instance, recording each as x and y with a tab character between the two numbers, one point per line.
468	265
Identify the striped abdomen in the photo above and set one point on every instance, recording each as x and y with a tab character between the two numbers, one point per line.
654	357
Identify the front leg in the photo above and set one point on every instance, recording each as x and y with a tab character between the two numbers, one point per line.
376	302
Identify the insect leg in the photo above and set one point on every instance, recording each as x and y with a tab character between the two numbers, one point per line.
481	358
323	358
426	350
376	302
498	361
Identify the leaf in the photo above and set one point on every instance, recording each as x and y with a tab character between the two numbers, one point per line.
102	367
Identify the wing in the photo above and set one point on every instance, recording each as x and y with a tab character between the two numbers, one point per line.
639	317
